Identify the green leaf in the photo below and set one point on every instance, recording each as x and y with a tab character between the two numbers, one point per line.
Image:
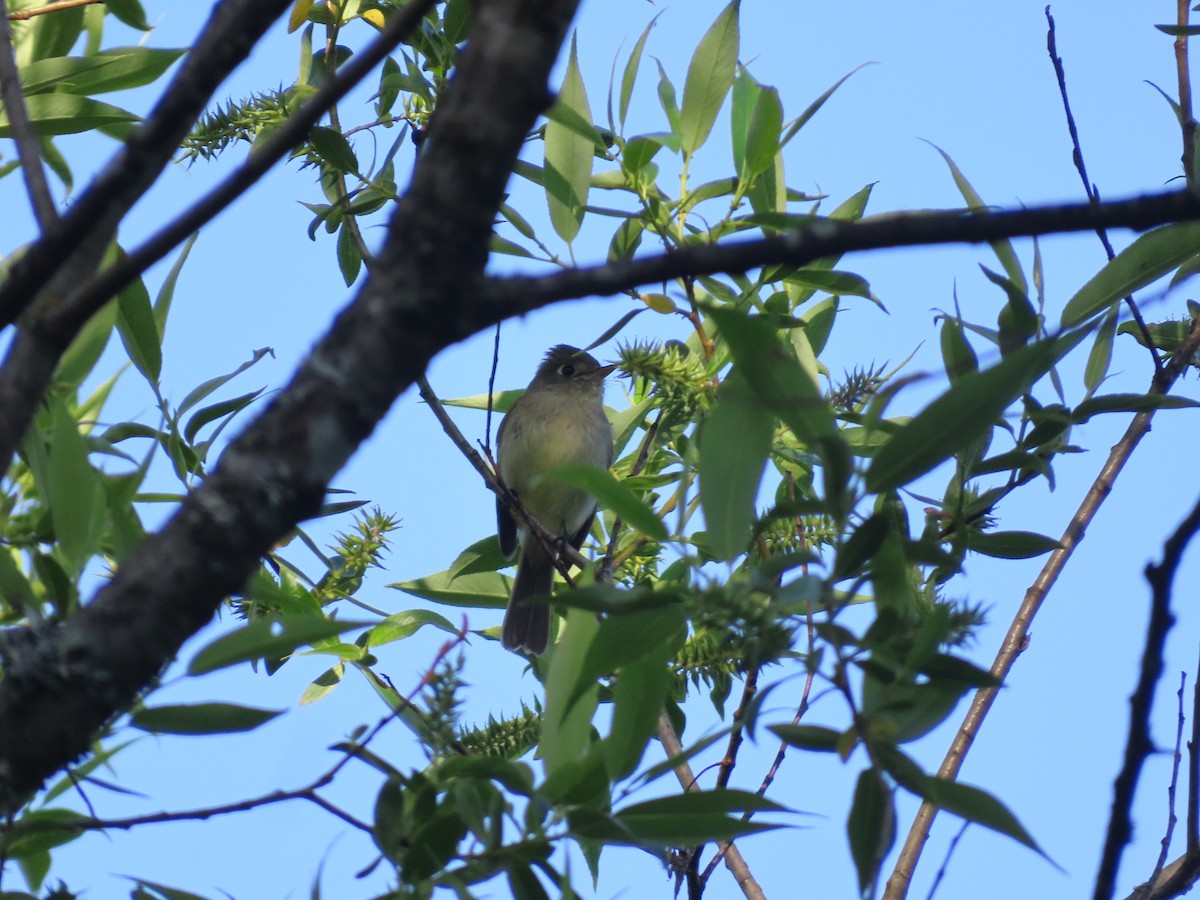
348	257
74	491
809	737
215	411
735	439
962	414
333	147
201	718
622	639
775	374
629	75
801	120
139	330
900	712
709	77
638	696
871	827
1012	544
162	303
14	585
272	638
129	12
1109	403
1100	356
762	135
613	496
976	806
483	589
117	69
957	354
29	835
666	99
1147	259
1002	248
831	281
68	114
567	721
695	816
198	393
53	35
568	160
405	624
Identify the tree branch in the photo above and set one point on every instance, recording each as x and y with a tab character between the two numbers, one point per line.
22	131
1014	640
734	860
1088	187
1139	744
819	238
60	685
21	14
1178	877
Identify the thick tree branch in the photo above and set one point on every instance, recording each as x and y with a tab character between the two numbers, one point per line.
1014	640
61	685
830	237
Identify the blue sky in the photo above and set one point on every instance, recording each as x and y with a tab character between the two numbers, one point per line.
974	79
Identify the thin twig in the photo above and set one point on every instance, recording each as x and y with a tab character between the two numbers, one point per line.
1139	744
21	14
1015	638
22	129
1089	188
1193	813
734	861
1187	122
487	428
562	552
1175	760
1177	877
941	872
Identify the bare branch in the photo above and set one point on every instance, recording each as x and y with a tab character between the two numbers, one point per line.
828	237
22	130
1014	639
734	861
564	555
1187	122
1139	744
1093	194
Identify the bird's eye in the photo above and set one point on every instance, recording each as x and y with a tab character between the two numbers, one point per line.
566	371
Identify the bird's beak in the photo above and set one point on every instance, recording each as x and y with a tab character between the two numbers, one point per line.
604	371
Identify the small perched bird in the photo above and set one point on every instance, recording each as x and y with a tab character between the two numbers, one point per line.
558	421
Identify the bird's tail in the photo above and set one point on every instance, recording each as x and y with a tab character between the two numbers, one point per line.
527	625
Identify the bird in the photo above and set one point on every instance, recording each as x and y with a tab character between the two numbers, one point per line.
558	421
